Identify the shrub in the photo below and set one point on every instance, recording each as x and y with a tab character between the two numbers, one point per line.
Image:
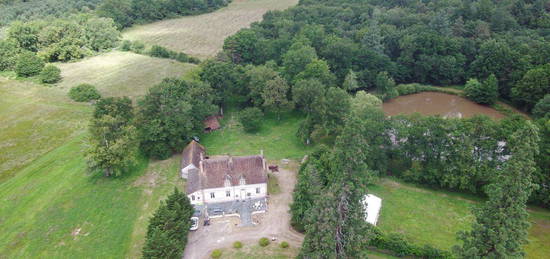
264	241
284	244
50	74
159	52
485	92
126	45
216	254
84	93
138	47
237	244
8	55
251	119
28	64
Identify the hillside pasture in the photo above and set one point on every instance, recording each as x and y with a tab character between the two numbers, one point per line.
203	35
34	120
426	216
120	73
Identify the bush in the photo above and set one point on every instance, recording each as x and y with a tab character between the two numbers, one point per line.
8	55
138	47
238	244
28	64
251	119
263	242
126	45
401	247
284	244
50	74
160	52
216	254
406	89
485	92
84	93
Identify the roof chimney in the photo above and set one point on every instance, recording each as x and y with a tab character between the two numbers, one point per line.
202	155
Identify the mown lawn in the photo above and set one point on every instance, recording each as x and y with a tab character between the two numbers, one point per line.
277	138
427	216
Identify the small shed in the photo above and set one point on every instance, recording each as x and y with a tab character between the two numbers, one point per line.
212	123
372	206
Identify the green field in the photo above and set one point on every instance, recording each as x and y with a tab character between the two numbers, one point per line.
203	35
33	121
427	216
120	73
276	138
50	206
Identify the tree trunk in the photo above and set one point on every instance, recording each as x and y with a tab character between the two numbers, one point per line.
108	172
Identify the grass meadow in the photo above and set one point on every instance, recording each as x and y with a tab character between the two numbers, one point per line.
434	217
50	206
203	35
119	73
277	138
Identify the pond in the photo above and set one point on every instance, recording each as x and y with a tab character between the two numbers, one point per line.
434	103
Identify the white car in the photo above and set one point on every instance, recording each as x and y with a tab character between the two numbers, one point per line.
194	223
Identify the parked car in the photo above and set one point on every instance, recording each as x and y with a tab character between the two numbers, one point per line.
194	224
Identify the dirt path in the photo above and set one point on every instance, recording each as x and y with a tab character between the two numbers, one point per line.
223	232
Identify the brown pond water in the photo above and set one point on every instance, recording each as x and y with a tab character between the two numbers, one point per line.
433	103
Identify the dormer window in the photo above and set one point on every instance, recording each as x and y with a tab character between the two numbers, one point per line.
242	181
227	183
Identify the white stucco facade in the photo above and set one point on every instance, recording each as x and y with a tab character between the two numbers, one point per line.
229	193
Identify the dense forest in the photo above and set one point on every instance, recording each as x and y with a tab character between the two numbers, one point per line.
123	12
431	42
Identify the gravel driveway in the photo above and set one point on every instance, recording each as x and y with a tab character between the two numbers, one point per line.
274	223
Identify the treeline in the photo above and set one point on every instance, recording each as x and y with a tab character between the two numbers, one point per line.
163	122
431	42
496	159
128	12
62	39
168	228
27	10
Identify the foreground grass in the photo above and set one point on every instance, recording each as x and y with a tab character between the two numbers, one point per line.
203	35
277	138
427	216
120	73
34	120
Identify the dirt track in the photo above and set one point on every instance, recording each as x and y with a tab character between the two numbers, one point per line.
275	223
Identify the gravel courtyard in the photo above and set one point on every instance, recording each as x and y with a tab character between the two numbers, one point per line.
274	223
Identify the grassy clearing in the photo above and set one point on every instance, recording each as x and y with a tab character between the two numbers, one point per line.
276	138
49	205
120	73
34	120
273	186
272	251
427	216
203	35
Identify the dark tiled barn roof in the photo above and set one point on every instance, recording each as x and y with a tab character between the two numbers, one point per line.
212	123
192	154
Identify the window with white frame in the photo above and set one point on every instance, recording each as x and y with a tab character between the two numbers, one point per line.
258	190
227	193
192	197
212	195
